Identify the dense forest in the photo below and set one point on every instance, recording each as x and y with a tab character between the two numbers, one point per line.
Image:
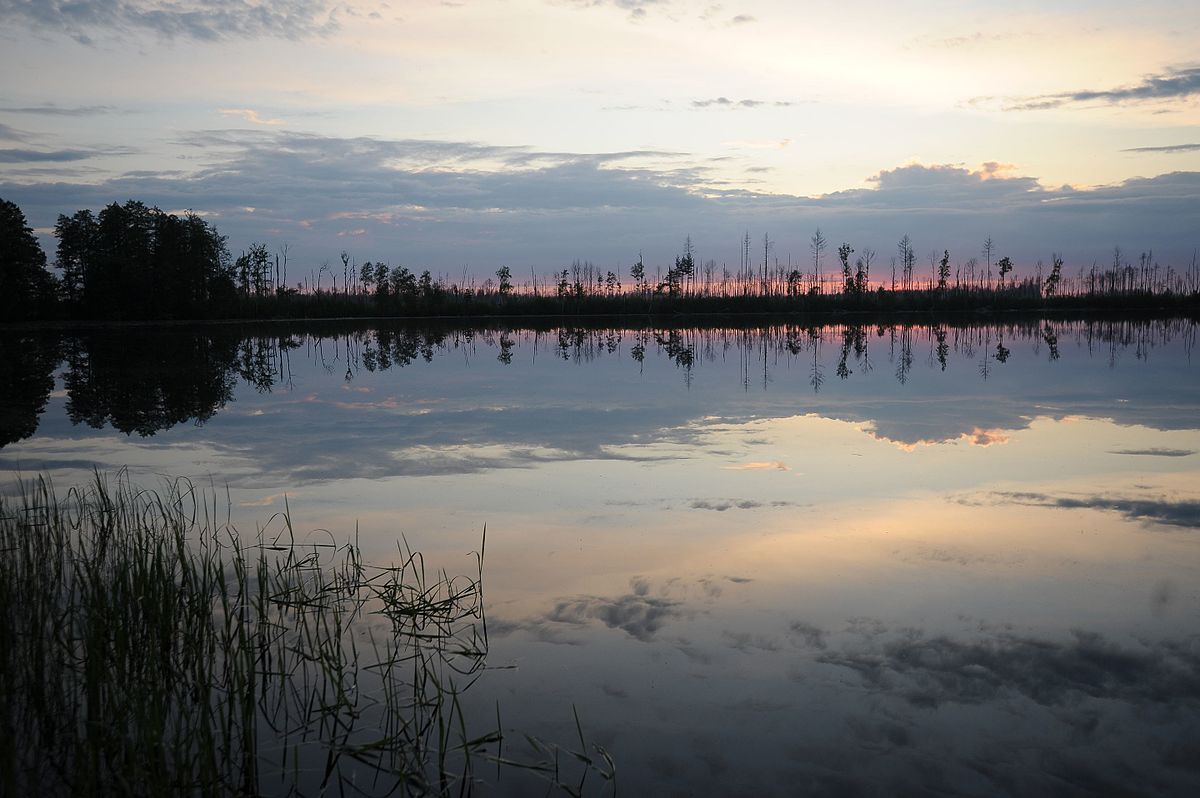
126	262
133	261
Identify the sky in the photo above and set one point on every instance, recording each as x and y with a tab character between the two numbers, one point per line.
462	136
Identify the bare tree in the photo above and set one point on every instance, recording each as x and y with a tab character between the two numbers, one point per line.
744	270
766	258
284	249
862	270
988	247
816	246
908	259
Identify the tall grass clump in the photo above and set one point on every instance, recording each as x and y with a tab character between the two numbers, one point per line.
146	648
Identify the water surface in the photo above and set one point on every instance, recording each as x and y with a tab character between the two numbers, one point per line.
838	559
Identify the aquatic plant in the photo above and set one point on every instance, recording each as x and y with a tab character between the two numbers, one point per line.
147	648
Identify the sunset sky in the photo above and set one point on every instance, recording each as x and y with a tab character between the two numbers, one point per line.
468	135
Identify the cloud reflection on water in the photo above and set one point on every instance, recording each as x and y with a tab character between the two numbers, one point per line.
1185	512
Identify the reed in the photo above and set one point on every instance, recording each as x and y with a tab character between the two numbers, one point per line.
147	648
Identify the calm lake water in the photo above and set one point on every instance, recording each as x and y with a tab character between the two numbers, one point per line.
958	558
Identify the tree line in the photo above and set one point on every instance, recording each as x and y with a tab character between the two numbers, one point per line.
133	261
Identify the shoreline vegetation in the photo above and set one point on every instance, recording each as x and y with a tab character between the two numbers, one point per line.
150	649
132	262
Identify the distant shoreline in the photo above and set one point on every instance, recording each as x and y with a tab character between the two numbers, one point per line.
639	319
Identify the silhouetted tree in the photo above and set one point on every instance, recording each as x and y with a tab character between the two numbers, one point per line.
1055	275
794	278
27	289
685	266
637	272
844	253
76	243
504	274
403	283
943	272
382	281
674	277
133	261
1005	265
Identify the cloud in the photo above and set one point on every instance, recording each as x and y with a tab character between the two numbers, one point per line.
776	466
640	616
1170	148
940	185
985	437
637	8
743	19
974	39
1155	452
722	506
808	635
745	641
250	115
50	109
8	133
642	613
1176	84
725	102
200	20
539	207
757	144
305	182
977	436
42	156
931	671
1164	511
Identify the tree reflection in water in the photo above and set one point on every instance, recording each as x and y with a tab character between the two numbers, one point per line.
143	380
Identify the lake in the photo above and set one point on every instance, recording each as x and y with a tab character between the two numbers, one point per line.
827	559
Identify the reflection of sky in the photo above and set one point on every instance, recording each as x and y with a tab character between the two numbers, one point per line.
950	584
465	411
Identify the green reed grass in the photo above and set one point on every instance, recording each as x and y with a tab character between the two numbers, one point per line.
146	648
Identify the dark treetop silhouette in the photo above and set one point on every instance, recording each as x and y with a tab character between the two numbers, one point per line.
133	261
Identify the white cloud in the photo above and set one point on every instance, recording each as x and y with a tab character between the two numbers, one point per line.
202	20
250	115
